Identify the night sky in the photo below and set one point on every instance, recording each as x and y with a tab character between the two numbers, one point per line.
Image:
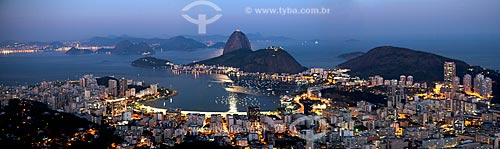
47	20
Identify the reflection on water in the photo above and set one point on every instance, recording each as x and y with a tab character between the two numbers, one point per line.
194	94
238	95
230	86
220	78
213	92
234	100
233	97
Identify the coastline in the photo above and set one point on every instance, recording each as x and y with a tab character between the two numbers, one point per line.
174	92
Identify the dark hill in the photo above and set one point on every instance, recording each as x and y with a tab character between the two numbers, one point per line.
181	43
105	81
128	48
151	62
391	62
75	51
26	122
269	60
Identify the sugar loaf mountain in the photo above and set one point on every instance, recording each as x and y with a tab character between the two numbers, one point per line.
391	62
238	53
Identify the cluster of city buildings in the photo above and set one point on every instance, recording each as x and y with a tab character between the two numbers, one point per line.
414	114
16	47
22	48
480	85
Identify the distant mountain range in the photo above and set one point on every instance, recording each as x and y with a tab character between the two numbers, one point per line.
114	40
179	43
252	36
237	53
174	43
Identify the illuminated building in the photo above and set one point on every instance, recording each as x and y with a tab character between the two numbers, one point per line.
132	92
253	113
394	82
409	81
123	87
402	80
477	83
486	87
83	82
373	82
314	92
379	80
86	95
154	88
467	83
317	70
455	83
112	87
449	73
483	86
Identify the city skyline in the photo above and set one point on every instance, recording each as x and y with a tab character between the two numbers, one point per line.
384	74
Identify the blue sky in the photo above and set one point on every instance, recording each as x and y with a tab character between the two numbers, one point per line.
47	20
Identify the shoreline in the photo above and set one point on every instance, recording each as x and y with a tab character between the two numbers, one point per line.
174	93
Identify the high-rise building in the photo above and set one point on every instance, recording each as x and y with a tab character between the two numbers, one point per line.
317	70
112	87
483	86
455	83
449	73
394	82
373	81
396	96
380	80
154	88
486	87
86	95
132	92
402	80
477	83
409	81
253	113
123	87
387	82
467	83
83	82
376	80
